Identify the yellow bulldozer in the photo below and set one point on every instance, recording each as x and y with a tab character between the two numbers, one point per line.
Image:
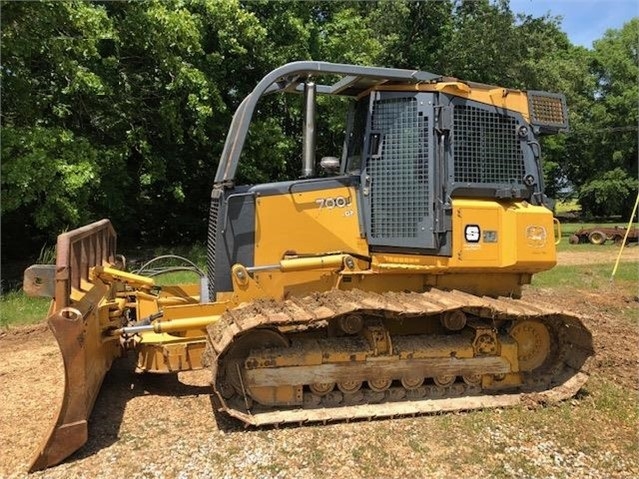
387	284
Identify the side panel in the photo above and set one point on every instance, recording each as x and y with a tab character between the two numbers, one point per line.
233	229
306	223
514	236
258	225
488	237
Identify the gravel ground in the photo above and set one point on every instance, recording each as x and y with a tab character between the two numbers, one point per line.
164	426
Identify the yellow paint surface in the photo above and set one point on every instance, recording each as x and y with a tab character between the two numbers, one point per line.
311	222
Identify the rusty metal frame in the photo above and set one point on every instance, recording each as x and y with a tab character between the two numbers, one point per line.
77	252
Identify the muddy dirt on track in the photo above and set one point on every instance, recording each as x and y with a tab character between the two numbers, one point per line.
164	426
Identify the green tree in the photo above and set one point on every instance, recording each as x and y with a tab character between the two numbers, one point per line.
143	90
120	109
609	193
48	169
610	174
313	30
414	34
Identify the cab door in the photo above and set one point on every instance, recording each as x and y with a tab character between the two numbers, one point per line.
398	179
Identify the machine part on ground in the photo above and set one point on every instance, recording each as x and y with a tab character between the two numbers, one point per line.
600	234
389	287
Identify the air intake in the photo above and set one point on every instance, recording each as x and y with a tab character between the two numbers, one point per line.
216	197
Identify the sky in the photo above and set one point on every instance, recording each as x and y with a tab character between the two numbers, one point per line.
583	20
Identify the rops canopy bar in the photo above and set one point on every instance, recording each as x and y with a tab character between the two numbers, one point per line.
355	79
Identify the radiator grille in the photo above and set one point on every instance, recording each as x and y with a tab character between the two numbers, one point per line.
399	178
211	244
487	149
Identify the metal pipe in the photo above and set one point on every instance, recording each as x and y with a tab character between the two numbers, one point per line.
134	329
169	325
334	261
204	289
268	267
308	146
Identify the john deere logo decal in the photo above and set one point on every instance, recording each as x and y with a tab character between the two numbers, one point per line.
536	236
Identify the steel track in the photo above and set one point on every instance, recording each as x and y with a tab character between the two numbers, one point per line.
565	376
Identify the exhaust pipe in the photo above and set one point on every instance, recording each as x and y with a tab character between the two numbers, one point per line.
308	146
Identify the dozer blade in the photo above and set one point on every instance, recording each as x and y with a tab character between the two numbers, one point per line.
77	322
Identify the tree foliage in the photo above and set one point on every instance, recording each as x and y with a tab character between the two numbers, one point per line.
609	193
120	109
610	185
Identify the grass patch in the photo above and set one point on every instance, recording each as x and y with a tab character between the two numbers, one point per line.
177	277
571	436
589	276
613	400
195	253
16	308
564	245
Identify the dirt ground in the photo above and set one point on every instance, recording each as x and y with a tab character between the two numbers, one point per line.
163	426
629	253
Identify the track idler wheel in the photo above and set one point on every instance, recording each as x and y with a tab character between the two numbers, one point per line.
472	379
233	361
351	323
411	383
534	343
454	320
